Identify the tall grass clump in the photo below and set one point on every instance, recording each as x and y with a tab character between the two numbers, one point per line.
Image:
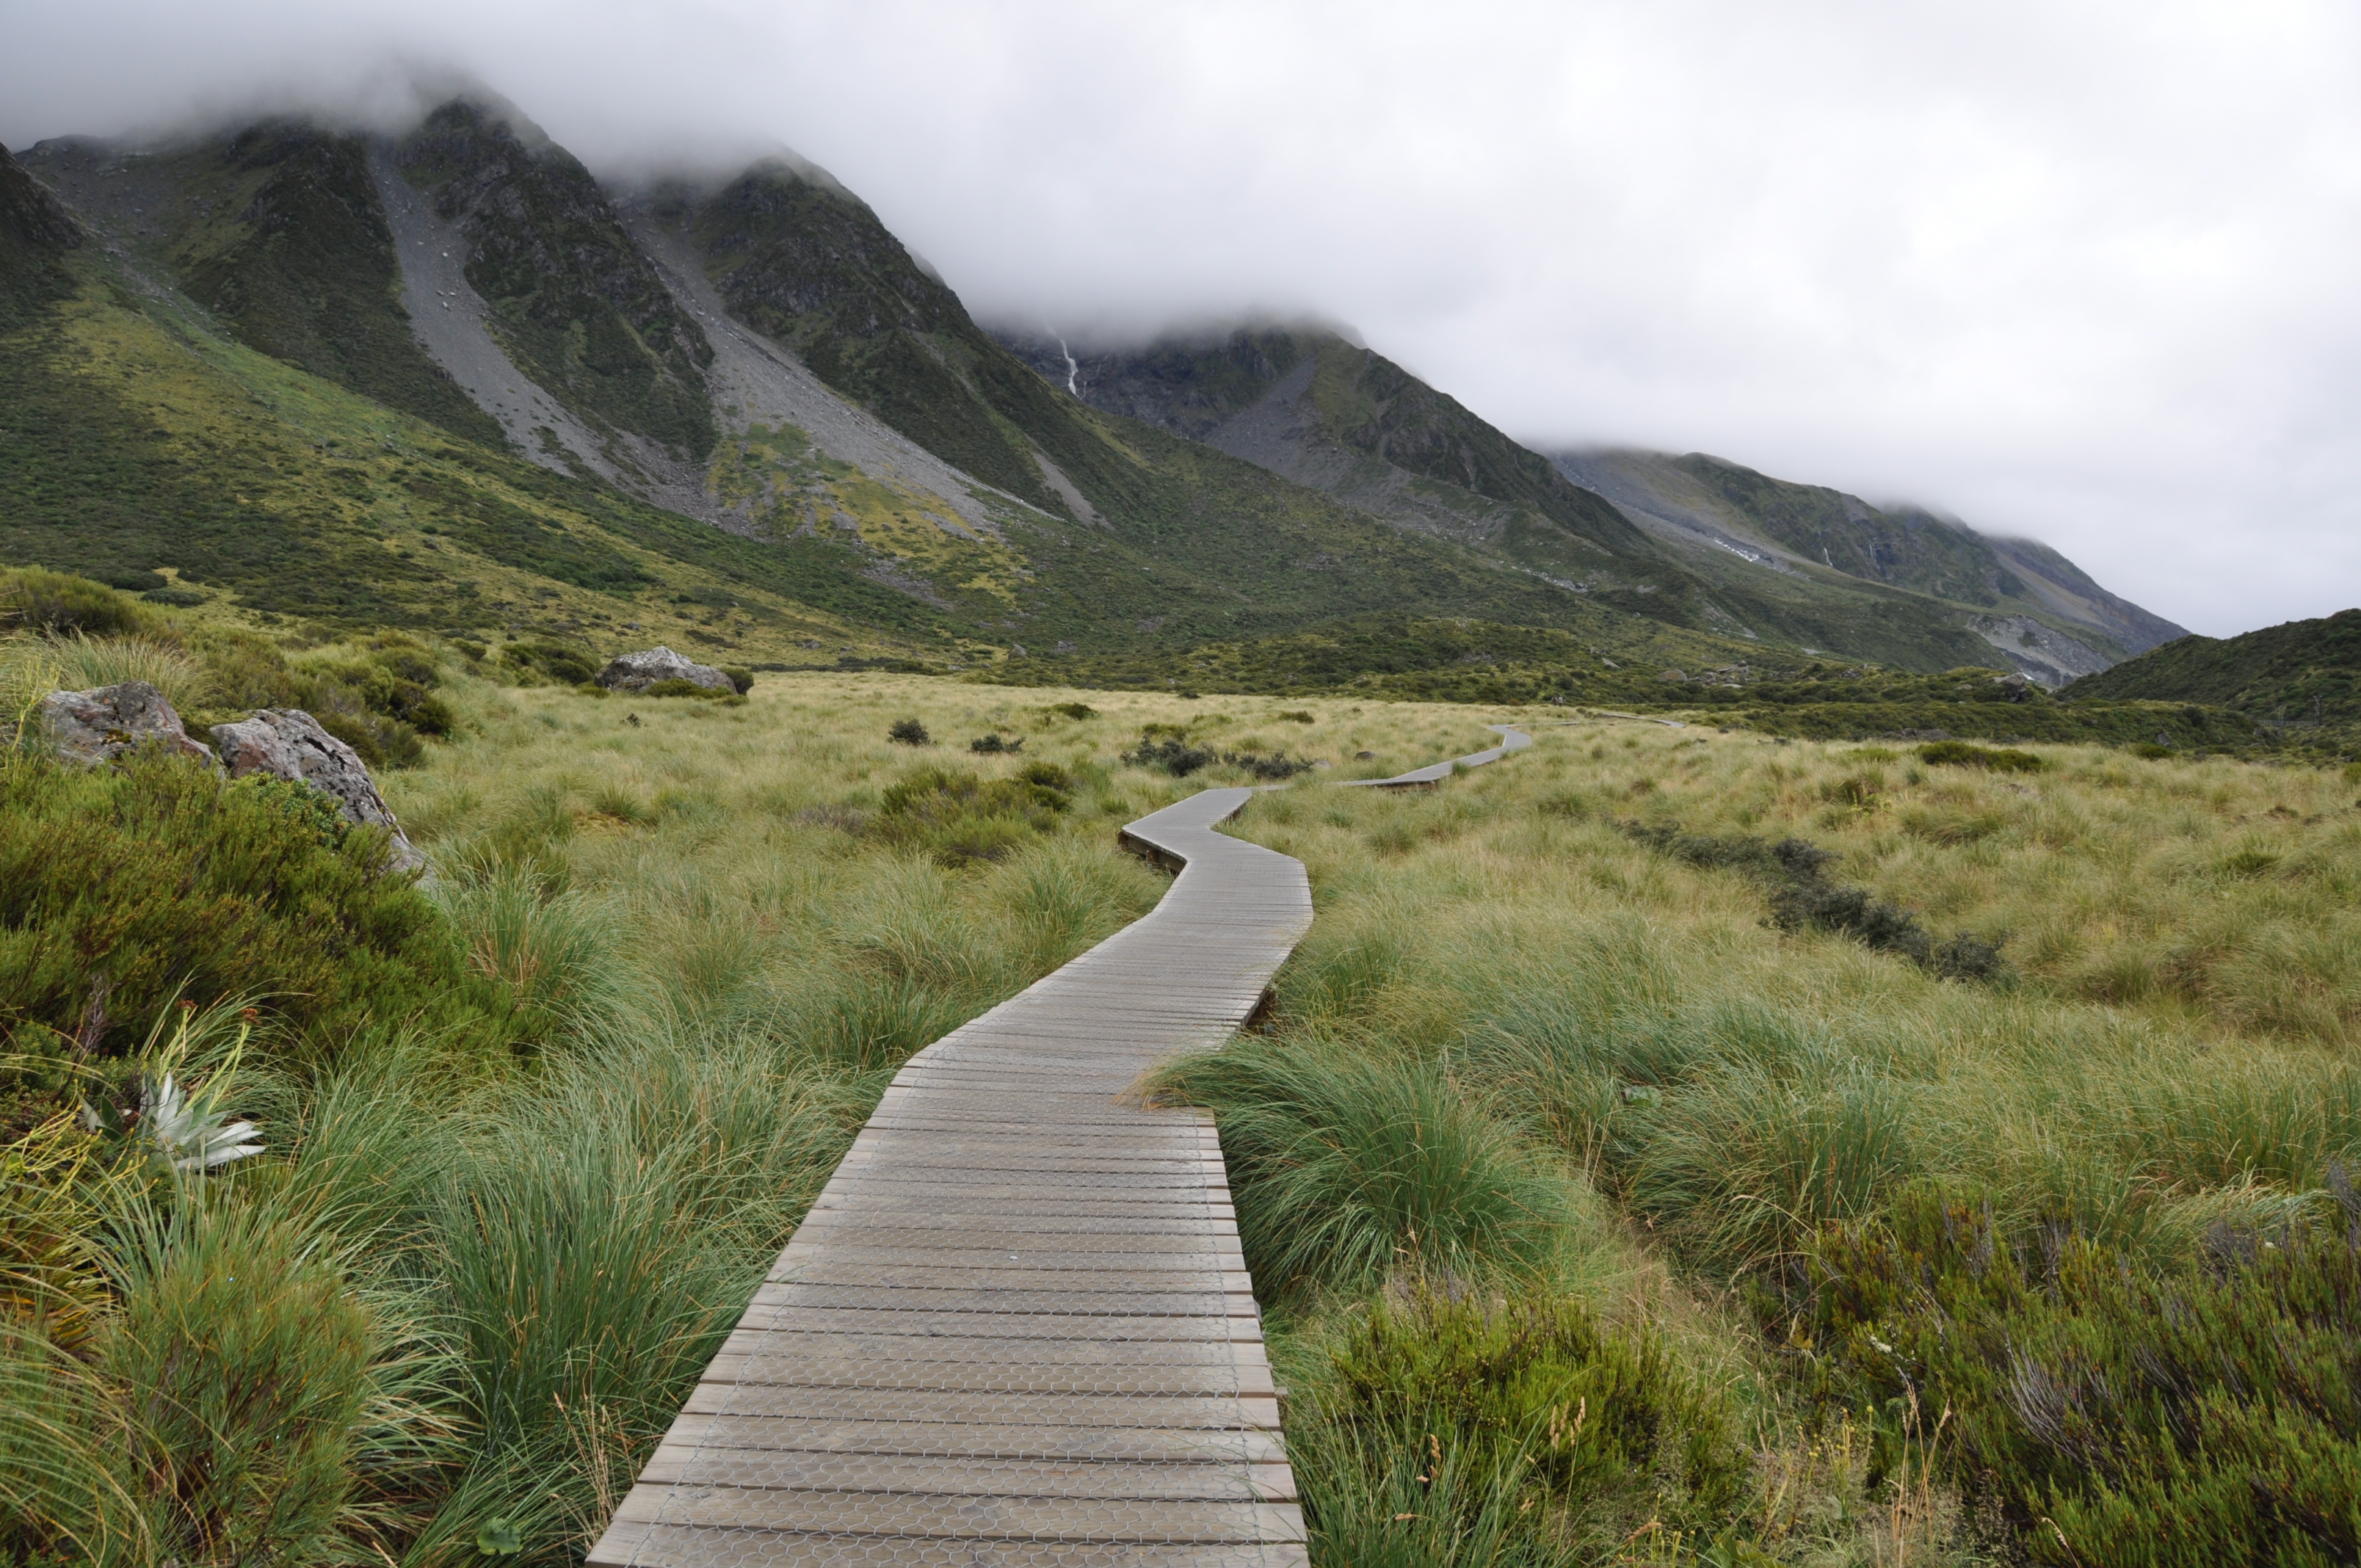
278	1407
1349	1168
78	661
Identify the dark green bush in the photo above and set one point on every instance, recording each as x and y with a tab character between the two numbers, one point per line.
1165	748
909	732
741	680
1276	766
1600	1426
124	889
996	743
1802	898
379	740
556	661
1964	755
959	819
33	598
691	689
1072	709
2120	1415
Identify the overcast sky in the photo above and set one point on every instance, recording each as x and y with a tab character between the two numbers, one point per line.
2086	273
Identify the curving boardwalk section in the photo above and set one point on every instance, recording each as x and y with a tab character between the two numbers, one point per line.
1433	774
1016	1328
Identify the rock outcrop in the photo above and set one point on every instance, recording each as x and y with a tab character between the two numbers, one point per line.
98	726
638	672
289	743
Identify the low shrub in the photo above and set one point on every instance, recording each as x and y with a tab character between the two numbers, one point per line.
909	732
33	598
959	819
741	680
1802	897
551	660
1276	766
994	742
1071	710
1050	776
2118	1414
1966	754
124	889
267	1399
1527	1409
691	689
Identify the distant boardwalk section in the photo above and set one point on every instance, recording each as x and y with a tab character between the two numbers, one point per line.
1016	1326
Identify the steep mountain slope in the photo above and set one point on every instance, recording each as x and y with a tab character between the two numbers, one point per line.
2035	607
579	307
449	379
309	376
1308	402
2301	672
1325	412
278	231
36	234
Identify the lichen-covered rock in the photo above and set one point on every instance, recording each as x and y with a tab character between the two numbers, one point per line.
98	726
638	672
289	743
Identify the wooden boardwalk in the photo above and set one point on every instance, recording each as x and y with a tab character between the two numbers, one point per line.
1016	1328
1434	774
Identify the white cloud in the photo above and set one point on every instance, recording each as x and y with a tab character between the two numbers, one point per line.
2082	271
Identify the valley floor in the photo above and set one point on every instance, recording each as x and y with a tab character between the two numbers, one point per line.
1668	1146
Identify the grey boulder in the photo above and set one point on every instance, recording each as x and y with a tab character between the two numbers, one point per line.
100	725
287	743
638	672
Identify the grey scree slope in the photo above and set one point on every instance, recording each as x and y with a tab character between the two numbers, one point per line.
1016	1328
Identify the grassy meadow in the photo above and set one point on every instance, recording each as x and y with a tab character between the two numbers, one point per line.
1632	1170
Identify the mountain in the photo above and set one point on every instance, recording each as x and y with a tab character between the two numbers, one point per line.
2032	605
2302	673
1310	402
450	378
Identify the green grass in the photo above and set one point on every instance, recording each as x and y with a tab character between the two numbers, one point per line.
1762	1103
1579	1190
2302	674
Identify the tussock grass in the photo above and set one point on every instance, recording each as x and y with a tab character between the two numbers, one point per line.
1586	943
1590	1097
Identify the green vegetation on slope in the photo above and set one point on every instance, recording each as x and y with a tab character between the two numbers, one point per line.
581	310
138	440
2302	673
1609	658
35	233
1903	548
802	260
1376	406
300	265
